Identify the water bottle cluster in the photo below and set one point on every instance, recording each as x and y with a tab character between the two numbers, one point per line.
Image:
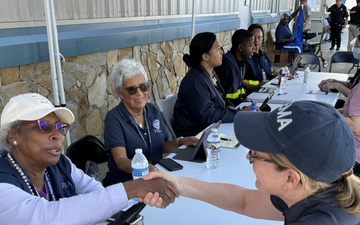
284	75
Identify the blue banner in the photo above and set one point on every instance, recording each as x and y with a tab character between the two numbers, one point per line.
298	43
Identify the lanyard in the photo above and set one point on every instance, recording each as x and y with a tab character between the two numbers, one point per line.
48	184
141	133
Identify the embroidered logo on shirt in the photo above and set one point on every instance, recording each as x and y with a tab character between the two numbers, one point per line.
156	125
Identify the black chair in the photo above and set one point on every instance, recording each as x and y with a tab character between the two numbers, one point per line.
344	57
86	152
308	59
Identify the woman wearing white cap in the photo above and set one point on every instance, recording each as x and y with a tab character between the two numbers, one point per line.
38	180
303	166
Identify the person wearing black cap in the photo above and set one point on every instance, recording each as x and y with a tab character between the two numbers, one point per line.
354	24
339	20
303	166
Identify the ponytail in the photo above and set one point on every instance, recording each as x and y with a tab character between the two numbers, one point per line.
348	196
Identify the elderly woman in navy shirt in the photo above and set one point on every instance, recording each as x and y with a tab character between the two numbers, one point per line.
134	123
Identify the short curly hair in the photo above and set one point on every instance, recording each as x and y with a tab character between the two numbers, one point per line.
126	69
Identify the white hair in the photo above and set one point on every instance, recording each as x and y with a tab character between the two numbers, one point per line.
125	69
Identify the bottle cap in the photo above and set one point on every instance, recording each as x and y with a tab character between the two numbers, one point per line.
253	108
213	130
138	150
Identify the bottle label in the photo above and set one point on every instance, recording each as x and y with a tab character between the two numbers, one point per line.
213	145
140	172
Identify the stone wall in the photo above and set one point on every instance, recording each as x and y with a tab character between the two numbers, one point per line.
88	89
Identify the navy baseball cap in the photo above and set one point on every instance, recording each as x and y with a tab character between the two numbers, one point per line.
313	136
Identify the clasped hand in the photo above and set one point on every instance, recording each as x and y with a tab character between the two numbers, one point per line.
156	192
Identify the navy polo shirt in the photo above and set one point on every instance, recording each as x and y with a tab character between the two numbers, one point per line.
317	209
282	32
121	131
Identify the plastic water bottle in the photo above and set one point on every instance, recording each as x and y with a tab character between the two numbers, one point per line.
139	164
213	150
306	75
139	167
263	75
283	81
253	108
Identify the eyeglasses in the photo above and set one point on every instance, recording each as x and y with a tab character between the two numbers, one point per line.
252	157
133	89
46	126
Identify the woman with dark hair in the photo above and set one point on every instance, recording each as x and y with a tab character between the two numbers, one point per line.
258	63
200	99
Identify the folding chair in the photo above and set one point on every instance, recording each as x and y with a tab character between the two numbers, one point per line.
86	153
309	59
166	108
344	57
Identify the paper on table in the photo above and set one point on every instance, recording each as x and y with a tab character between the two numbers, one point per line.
267	90
231	141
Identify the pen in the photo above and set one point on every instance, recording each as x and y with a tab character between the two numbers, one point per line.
225	139
252	102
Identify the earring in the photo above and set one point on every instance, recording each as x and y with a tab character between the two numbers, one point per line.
285	188
15	142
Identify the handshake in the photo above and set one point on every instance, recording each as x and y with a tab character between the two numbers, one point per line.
157	189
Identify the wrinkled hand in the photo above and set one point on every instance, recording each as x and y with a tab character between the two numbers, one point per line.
140	188
328	86
174	180
248	108
323	82
190	141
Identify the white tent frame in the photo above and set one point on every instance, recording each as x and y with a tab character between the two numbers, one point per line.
55	58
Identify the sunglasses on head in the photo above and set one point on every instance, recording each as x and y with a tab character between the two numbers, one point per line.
131	90
46	126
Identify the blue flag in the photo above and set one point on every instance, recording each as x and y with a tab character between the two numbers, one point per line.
297	45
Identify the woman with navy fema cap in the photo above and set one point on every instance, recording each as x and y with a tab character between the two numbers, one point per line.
303	165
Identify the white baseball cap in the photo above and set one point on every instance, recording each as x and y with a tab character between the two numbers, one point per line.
32	106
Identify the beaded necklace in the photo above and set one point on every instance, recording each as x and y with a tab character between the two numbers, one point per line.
22	174
28	181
